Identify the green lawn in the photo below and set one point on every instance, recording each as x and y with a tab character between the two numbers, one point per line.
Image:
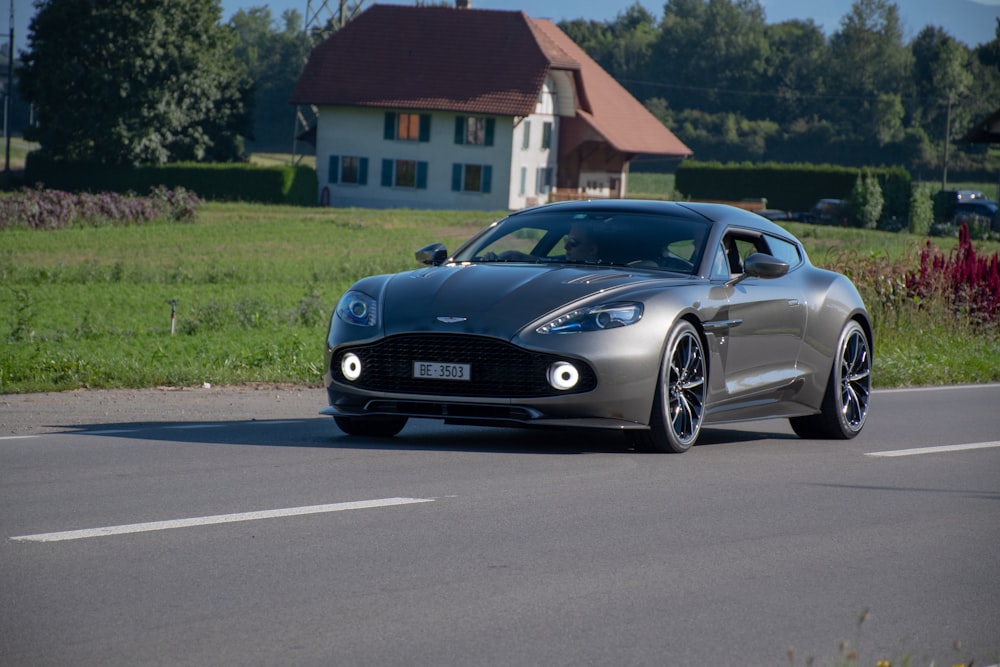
254	286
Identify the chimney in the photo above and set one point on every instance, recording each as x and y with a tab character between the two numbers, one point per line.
463	4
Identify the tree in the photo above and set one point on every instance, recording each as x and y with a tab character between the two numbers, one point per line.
714	52
950	75
888	119
621	47
867	58
795	67
123	82
274	59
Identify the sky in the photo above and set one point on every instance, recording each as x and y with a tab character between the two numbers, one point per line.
972	27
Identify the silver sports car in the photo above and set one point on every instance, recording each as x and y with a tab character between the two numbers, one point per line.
652	318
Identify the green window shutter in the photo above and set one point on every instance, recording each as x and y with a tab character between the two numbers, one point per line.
334	174
490	129
487	177
363	171
546	135
390	125
456	177
421	175
459	129
425	127
387	173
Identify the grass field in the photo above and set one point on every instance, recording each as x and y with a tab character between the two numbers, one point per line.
254	287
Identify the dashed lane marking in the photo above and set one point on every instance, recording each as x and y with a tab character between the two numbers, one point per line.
935	450
217	519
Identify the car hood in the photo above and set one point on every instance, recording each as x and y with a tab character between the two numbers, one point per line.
493	299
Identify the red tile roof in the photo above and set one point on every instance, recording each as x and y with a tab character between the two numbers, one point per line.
470	61
607	107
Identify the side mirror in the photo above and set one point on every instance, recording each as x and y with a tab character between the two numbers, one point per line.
432	255
759	265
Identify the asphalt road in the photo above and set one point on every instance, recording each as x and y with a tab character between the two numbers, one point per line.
233	527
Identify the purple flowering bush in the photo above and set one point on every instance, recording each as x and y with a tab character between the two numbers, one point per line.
43	209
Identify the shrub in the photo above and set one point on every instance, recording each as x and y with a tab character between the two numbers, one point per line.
970	284
43	209
864	206
921	209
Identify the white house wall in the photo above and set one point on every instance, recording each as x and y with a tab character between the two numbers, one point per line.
531	160
358	131
528	159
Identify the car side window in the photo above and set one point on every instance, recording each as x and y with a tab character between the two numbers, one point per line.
785	251
720	265
736	246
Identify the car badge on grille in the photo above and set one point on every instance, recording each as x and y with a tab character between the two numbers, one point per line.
451	320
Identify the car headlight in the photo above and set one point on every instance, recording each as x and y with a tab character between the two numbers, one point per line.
358	308
595	318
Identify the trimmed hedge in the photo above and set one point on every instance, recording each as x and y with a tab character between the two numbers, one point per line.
790	187
210	181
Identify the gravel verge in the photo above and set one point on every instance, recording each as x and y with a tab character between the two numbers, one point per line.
22	414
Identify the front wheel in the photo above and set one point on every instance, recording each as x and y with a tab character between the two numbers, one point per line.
372	427
848	392
679	400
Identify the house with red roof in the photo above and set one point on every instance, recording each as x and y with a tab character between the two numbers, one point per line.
460	108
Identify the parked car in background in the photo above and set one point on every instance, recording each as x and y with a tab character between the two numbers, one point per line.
946	202
982	208
827	212
774	214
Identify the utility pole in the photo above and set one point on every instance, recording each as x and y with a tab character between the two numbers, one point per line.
6	98
947	142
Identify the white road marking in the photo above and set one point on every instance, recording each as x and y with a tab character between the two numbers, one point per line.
219	518
936	450
17	437
908	390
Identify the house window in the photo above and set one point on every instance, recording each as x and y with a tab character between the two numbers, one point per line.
348	169
546	134
474	131
526	137
544	180
471	177
404	174
523	189
407	126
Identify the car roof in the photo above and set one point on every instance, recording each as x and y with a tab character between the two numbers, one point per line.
686	210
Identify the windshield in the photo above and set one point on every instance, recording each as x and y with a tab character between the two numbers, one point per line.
639	240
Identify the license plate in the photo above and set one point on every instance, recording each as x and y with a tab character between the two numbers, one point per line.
433	370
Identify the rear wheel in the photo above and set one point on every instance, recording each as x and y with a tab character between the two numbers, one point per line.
383	427
848	392
679	401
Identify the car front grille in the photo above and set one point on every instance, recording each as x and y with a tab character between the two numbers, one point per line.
498	368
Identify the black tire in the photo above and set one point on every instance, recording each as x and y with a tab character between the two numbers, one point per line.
679	400
371	427
848	391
